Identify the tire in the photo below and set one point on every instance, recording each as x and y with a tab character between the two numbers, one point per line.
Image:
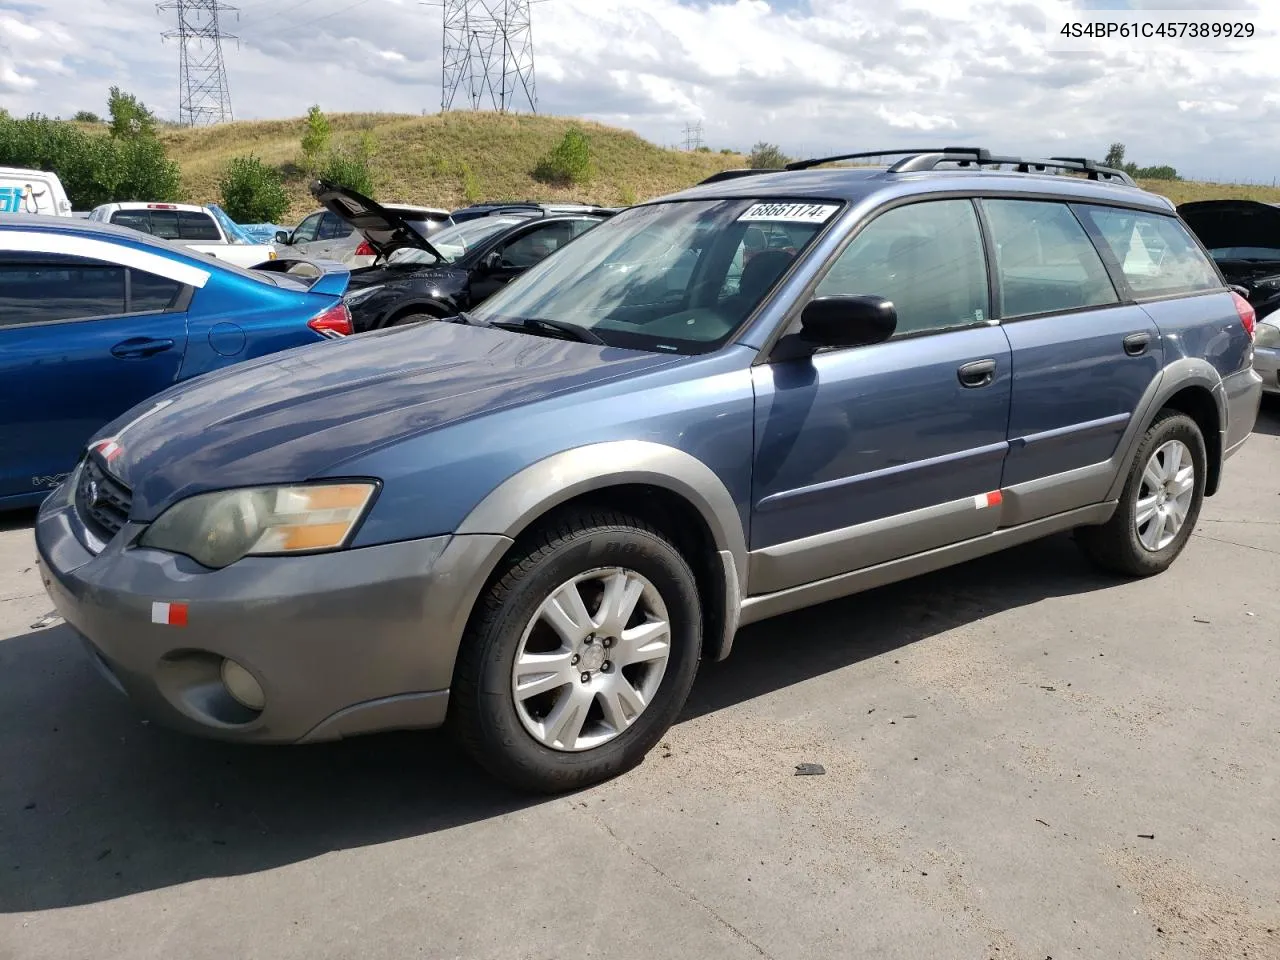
1117	546
510	733
409	318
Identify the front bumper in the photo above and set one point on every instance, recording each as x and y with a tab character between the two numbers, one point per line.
1266	363
341	643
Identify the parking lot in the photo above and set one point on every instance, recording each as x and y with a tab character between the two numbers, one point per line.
1023	760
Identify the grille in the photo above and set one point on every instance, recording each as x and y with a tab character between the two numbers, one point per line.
102	501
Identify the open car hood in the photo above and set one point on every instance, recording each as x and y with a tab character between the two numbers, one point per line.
383	229
1233	223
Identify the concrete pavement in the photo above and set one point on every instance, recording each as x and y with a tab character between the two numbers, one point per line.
1024	759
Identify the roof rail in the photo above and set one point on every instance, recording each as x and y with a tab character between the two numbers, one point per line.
928	161
973	152
735	174
929	158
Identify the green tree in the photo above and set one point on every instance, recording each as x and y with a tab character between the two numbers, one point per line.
569	162
766	156
86	116
1115	156
315	139
129	116
349	168
252	191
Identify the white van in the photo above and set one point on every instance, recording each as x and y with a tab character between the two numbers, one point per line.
32	191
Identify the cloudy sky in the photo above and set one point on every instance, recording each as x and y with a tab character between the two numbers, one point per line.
812	75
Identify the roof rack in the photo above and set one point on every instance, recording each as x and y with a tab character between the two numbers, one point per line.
735	174
928	159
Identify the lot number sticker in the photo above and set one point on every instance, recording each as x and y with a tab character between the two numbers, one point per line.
791	212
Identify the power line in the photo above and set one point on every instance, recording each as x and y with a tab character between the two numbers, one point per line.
204	96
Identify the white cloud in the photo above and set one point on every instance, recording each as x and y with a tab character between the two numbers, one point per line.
817	75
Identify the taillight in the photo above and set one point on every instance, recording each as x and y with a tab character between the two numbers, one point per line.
364	250
333	322
1248	318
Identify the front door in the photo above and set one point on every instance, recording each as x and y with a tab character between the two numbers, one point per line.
868	454
516	254
74	355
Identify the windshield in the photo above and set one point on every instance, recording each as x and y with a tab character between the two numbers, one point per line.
457	241
678	276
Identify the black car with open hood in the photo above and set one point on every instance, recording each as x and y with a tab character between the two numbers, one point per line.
1243	237
415	279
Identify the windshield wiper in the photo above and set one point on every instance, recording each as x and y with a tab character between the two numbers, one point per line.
539	324
463	317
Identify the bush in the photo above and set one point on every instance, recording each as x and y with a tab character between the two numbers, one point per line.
471	191
569	163
766	156
252	192
93	169
350	169
86	116
628	196
315	141
727	152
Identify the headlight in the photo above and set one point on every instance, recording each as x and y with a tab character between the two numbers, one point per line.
217	529
1266	335
364	294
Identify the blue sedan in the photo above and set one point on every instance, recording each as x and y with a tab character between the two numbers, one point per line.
96	318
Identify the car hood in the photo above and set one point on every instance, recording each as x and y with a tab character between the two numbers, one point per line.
1233	223
297	414
383	229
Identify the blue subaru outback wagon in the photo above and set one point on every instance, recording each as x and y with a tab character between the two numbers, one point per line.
533	521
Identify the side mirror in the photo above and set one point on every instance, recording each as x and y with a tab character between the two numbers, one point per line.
847	321
282	236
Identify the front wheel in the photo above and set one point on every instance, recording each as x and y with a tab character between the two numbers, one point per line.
1160	503
580	654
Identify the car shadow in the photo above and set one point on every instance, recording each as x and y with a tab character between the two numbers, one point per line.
1269	416
98	804
17	519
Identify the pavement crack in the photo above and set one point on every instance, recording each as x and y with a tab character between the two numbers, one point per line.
1247	546
688	894
20	596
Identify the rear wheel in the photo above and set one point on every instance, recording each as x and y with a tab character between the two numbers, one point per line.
1160	503
580	655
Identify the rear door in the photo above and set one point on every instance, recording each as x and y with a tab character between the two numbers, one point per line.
81	340
1082	359
871	453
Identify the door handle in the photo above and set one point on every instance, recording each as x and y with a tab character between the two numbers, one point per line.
1135	344
137	347
979	373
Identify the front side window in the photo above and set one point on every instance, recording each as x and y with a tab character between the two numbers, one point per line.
1045	261
652	277
44	287
925	257
1156	253
306	231
538	244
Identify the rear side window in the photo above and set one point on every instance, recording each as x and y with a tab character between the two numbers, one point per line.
333	227
1157	254
1045	261
197	226
149	292
927	258
39	288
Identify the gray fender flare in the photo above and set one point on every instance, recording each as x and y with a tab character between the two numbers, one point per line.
519	500
1183	373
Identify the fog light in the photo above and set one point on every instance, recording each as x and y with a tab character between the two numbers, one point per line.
241	685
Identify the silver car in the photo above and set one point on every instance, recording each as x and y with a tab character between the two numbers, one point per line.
326	236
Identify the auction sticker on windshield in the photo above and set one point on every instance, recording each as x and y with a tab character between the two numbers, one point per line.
791	212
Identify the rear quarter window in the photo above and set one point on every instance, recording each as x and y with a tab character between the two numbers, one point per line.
1156	253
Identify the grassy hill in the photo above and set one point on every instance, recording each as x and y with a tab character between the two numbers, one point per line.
447	160
450	159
